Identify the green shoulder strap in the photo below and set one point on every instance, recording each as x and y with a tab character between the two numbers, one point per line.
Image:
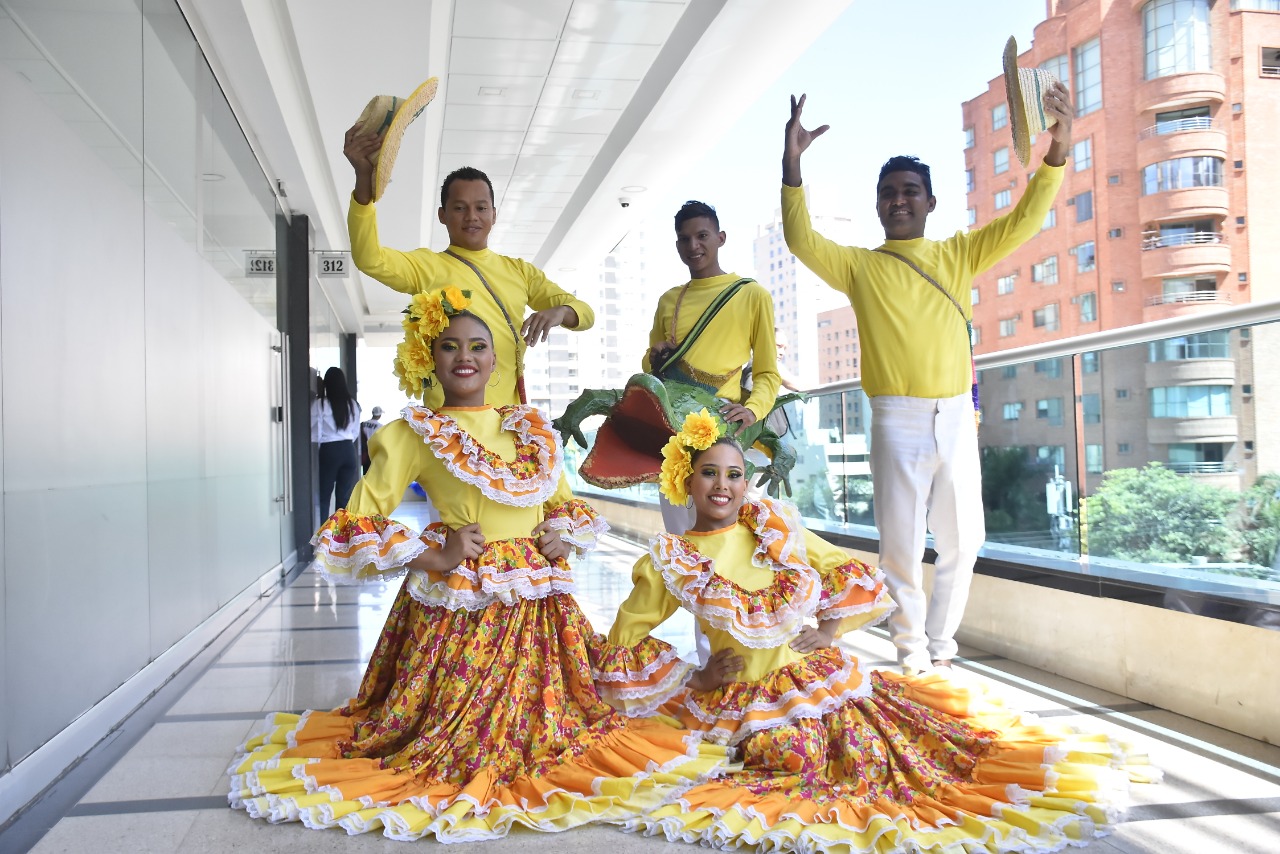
701	324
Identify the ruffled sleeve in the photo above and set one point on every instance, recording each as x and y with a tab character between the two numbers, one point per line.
852	592
636	673
577	521
360	543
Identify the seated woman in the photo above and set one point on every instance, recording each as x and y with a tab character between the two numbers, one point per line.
477	711
833	758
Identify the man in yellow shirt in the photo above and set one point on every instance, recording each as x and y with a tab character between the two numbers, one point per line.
467	210
740	332
916	369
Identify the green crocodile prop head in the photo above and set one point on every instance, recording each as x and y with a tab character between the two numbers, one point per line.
643	416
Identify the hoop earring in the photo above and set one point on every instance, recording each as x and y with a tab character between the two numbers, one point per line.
427	382
494	380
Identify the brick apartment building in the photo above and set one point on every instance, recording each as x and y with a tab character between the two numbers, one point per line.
1167	208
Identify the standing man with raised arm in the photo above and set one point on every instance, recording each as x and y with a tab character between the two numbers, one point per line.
913	301
501	287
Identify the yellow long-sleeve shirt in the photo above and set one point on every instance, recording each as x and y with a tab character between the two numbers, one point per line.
914	342
516	282
741	332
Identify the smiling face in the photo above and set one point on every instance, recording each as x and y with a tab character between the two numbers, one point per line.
903	203
698	242
717	486
464	361
468	214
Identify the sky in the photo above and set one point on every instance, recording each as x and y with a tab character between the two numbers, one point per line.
889	76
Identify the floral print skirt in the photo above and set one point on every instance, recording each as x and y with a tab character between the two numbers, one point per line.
466	723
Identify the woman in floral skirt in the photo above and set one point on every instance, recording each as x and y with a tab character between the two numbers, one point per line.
834	758
478	711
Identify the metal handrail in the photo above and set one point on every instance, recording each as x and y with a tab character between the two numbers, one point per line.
1271	71
1156	240
1224	467
1176	126
1249	314
1192	296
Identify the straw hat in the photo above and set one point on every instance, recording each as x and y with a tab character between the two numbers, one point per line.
390	116
1025	88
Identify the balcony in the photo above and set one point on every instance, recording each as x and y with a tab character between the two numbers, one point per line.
1176	305
1201	252
1184	203
1191	371
1181	138
1181	90
1177	431
1220	467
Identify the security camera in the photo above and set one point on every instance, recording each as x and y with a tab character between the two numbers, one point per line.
624	201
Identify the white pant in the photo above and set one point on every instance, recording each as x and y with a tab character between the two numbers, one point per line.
926	474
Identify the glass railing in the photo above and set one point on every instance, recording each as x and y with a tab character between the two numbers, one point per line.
1079	478
1156	240
1176	126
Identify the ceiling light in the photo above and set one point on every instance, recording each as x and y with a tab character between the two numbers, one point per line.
634	188
586	94
492	91
212	176
568	269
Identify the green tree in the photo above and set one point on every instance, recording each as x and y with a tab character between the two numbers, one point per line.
1013	492
1260	520
1154	515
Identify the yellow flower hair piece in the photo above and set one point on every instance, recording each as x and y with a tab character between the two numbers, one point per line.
699	432
426	317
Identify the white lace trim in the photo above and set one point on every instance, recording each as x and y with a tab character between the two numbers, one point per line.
644	701
508	589
793	553
664	658
824	706
580	530
756	630
366	556
881	601
511	490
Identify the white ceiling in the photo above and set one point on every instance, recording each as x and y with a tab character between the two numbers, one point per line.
561	102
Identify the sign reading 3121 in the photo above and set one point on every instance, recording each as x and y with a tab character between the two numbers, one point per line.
259	264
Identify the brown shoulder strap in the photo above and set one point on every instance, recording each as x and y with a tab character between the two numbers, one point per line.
505	316
926	277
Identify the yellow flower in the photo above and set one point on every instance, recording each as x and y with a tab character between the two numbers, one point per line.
413	364
700	430
676	469
456	298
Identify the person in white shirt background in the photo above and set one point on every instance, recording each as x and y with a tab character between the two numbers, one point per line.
335	427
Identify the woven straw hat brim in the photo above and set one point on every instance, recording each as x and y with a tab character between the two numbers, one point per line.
1013	94
406	112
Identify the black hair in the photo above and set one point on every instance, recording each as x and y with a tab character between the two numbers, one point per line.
906	163
466	173
723	440
336	392
693	210
465	313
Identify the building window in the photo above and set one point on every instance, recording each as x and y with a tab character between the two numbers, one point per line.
1082	154
1176	36
1189	289
1004	198
1050	219
1088	308
1058	67
968	181
1083	204
973	216
1012	411
1051	368
1204	345
1049	409
1004	285
968	137
973	295
977	335
1122	394
1091	408
1001	159
1008	327
1088	68
1086	257
1270	66
1123	448
1182	173
1256	5
1046	272
1093	459
1052	455
1009	372
999	116
1176	121
1089	362
1046	318
1194	401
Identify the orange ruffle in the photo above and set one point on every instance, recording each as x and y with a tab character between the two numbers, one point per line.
351	548
506	571
528	480
637	680
578	523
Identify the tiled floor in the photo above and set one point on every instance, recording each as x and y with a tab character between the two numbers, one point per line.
307	649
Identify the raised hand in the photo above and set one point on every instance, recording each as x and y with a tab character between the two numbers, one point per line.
719	671
538	325
360	151
1057	103
550	543
798	140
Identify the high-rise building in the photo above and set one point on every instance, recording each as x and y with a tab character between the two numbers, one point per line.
1163	212
799	296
